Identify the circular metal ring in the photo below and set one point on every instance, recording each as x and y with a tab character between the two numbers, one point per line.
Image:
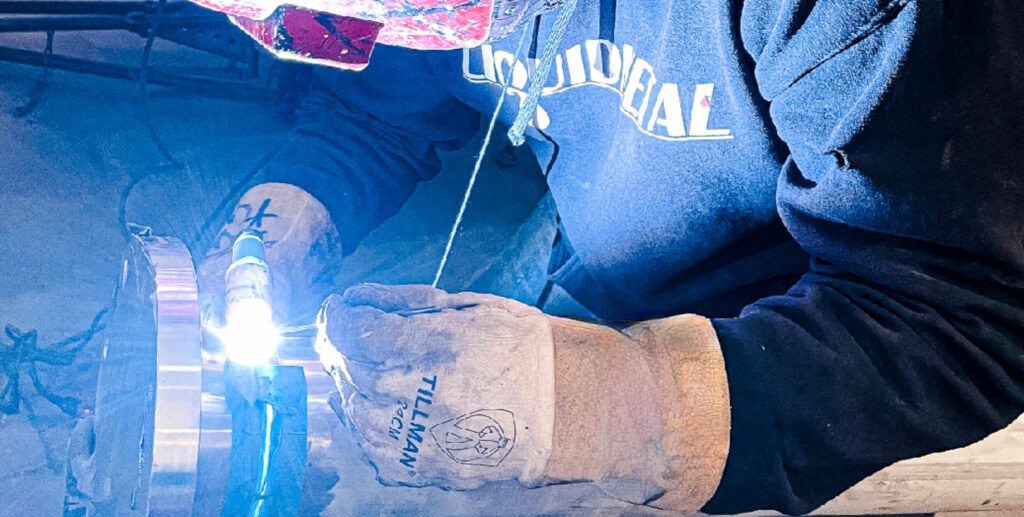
149	389
162	429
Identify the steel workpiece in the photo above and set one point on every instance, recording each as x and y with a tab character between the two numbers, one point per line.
162	429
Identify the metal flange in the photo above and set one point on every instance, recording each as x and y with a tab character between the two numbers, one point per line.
149	390
162	428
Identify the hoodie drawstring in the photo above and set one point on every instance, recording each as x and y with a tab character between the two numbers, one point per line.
526	111
547	57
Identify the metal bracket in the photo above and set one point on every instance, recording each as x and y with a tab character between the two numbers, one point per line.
180	22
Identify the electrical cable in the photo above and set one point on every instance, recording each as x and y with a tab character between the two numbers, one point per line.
37	90
270	446
151	33
25	350
147	116
199	237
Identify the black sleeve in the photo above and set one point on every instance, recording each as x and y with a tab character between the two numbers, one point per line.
363	140
907	335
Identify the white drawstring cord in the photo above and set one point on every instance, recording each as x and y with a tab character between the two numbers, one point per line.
540	76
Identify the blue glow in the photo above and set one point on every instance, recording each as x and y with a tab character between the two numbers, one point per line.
250	337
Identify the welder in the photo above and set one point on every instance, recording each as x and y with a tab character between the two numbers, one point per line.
809	213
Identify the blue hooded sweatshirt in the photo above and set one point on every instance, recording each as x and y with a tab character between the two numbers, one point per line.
834	181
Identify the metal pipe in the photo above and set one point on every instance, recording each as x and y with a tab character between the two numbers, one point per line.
207	85
104	22
163	428
148	417
86	7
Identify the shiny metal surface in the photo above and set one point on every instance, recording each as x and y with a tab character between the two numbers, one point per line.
147	416
215	440
163	429
177	405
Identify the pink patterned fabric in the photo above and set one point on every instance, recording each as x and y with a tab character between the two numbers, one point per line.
314	37
341	33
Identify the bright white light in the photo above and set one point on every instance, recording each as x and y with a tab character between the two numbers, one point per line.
250	337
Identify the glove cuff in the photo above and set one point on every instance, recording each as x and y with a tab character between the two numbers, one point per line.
685	353
644	413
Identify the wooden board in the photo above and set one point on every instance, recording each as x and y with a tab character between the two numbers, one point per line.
986	476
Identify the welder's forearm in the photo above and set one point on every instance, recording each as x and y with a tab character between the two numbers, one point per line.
364	140
839	379
362	171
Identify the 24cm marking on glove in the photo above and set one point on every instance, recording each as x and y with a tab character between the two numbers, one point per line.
414	432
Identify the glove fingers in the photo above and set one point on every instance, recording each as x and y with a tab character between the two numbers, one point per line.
383	437
369	336
394	298
468	300
406	298
345	328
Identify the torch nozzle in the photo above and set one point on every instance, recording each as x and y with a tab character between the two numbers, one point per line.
250	333
248	245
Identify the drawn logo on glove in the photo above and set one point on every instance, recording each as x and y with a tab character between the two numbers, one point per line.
483	437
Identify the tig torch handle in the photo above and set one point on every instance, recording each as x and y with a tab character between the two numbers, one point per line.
248	276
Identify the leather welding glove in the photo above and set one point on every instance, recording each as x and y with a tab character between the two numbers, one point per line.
455	390
301	244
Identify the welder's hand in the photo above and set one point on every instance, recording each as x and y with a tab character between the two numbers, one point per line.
457	389
451	390
301	240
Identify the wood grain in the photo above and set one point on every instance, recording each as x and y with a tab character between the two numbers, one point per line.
986	476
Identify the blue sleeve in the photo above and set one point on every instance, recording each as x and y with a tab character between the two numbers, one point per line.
363	140
906	336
